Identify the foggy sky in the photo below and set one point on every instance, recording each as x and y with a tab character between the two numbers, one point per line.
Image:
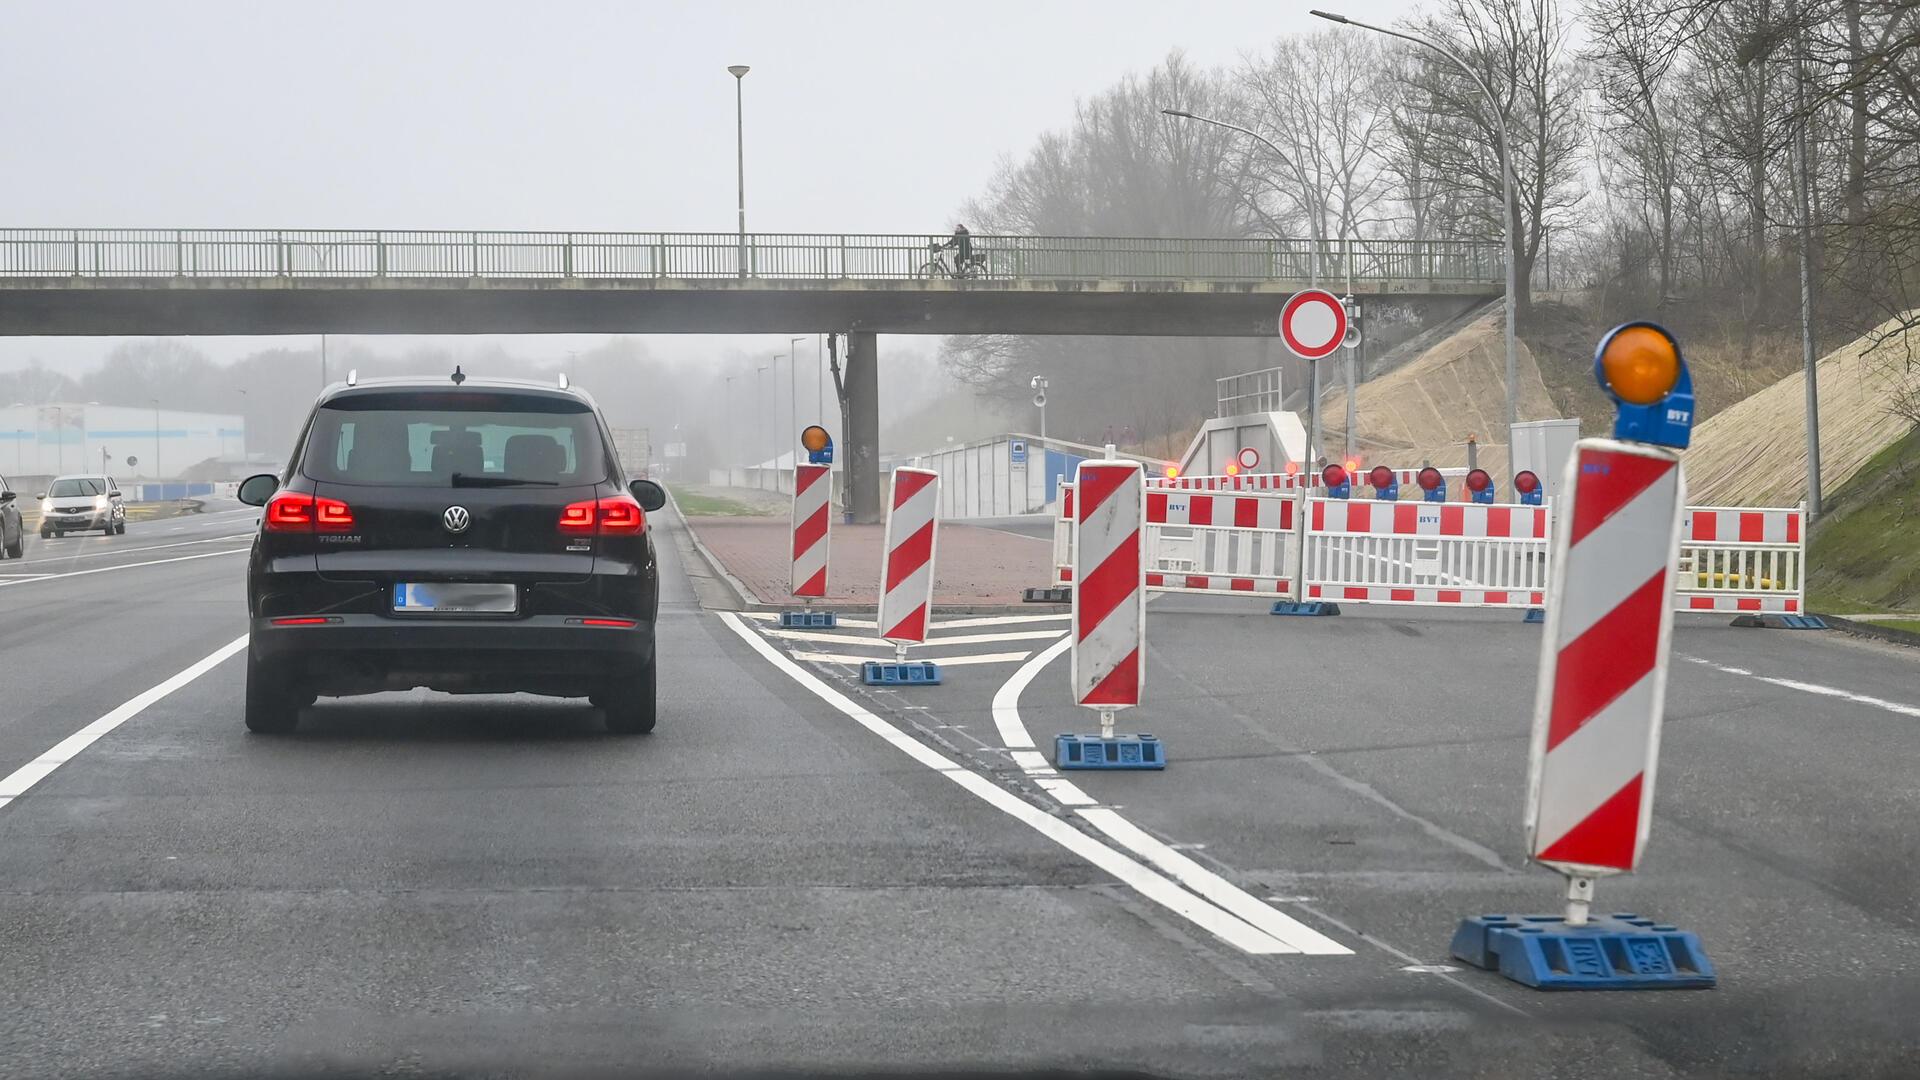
867	116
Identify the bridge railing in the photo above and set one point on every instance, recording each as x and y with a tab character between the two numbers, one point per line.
310	253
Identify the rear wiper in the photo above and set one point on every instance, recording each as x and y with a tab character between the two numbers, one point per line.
463	480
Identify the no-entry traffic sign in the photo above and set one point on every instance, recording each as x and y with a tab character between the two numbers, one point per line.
1313	323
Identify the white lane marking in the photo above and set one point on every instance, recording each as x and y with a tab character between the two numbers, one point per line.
1006	700
24	777
1013	731
1032	761
949	661
931	642
1154	887
104	552
1212	886
123	566
1064	792
1896	707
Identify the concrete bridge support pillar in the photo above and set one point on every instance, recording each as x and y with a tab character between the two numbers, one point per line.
863	428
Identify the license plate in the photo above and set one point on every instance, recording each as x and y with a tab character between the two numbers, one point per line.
457	597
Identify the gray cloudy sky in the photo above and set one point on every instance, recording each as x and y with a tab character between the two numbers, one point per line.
860	116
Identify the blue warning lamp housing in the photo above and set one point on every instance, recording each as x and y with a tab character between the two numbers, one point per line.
1433	486
1386	483
1641	367
1339	484
1480	486
1527	486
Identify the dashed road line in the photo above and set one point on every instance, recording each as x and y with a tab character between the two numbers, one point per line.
1895	707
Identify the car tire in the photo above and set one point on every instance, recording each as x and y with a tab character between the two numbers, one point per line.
17	549
46	533
629	702
120	529
271	709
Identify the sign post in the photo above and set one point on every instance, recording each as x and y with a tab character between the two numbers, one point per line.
906	578
1313	324
1602	688
811	529
1107	668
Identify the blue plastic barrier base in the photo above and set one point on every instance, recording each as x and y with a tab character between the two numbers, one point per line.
1612	952
1118	752
1781	622
1048	594
920	673
808	620
1535	615
1309	607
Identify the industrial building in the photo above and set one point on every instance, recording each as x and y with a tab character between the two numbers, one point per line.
128	442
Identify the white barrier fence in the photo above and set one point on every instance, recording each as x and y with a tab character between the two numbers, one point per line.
1447	554
1742	560
1294	545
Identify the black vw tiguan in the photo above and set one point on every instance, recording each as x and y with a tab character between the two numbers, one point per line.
465	535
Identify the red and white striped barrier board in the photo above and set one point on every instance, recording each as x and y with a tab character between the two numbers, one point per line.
1738	560
1447	554
1202	543
1108	665
1063	534
1603	660
906	588
812	484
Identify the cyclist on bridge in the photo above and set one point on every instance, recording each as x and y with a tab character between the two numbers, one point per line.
962	243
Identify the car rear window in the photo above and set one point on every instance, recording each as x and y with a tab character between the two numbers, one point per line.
424	439
74	487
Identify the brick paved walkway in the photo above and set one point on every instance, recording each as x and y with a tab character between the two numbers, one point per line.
972	566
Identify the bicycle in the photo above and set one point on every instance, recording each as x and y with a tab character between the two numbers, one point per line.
937	266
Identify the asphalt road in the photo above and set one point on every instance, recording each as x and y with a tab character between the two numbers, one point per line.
796	872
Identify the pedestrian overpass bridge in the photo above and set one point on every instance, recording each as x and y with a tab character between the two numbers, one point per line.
274	281
149	282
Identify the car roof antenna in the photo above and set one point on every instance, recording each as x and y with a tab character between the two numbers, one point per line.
458	376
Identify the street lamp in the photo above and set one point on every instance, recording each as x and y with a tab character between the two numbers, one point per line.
1313	280
739	73
1313	219
1506	183
760	391
243	423
1039	385
732	433
156	438
793	396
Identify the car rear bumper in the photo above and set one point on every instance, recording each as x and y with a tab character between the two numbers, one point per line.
542	654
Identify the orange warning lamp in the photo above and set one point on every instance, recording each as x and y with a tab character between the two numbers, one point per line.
1639	364
1173	471
1233	468
818	444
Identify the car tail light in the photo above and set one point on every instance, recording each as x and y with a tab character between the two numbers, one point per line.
298	511
332	515
577	517
615	515
615	624
290	511
308	620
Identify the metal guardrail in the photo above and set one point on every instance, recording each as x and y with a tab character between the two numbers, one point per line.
1250	392
307	253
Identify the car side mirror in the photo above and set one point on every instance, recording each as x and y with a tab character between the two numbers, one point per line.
651	495
7	496
42	495
115	493
256	490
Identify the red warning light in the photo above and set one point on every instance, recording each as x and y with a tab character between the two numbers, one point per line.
1430	478
1380	477
1333	476
1293	468
1525	482
1478	480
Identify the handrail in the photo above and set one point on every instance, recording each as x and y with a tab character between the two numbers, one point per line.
376	254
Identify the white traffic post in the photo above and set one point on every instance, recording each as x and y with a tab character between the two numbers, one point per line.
1107	665
807	574
1602	689
906	582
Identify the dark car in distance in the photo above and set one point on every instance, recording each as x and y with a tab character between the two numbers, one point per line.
464	535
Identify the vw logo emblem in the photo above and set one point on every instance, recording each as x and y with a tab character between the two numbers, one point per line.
456	519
